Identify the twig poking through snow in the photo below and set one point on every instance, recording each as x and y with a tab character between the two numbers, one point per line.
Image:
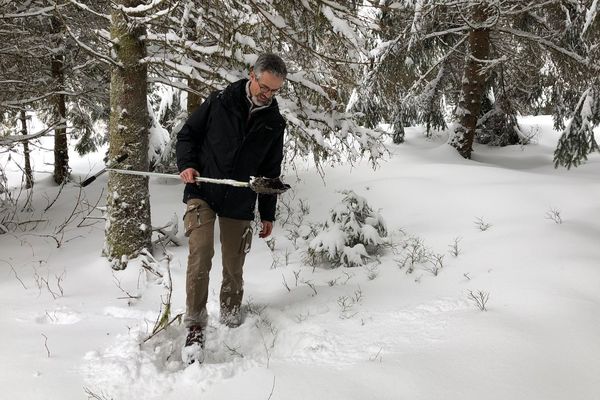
127	294
482	225
480	299
17	276
285	284
92	395
454	249
272	389
46	344
554	215
378	356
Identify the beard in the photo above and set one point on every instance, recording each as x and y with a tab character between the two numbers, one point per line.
258	102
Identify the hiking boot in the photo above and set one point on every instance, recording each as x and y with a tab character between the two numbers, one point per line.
195	336
193	350
231	318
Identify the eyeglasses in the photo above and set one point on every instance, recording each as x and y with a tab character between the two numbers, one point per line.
265	89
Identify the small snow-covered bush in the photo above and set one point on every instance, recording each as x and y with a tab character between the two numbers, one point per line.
350	236
8	206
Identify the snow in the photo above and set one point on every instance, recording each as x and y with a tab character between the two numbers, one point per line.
330	241
306	5
300	77
340	26
345	333
355	255
416	23
590	16
276	20
245	40
140	8
158	136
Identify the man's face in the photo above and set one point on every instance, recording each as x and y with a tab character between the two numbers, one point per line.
265	87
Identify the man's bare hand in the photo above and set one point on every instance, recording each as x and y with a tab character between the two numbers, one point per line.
188	175
267	228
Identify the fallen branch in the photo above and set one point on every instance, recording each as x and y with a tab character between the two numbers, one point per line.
168	235
164	326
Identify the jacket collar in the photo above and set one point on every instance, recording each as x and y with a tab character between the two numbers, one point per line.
236	97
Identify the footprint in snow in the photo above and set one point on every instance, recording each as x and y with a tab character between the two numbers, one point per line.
60	316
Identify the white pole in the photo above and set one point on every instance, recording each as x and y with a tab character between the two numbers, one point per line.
229	182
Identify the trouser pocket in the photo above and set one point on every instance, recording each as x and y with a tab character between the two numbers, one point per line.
236	237
246	243
197	213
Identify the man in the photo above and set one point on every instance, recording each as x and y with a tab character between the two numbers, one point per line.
235	134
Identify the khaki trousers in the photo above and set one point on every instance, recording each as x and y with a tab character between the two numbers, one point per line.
236	239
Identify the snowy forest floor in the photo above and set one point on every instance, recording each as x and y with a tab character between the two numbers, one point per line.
527	234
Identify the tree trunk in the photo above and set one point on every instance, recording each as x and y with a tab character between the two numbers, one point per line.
398	133
473	82
61	151
193	100
28	171
128	229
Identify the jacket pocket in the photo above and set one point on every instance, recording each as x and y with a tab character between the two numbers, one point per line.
197	213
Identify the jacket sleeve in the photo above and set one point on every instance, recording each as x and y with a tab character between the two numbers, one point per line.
191	136
271	168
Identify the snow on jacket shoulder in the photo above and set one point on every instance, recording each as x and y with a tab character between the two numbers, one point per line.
223	140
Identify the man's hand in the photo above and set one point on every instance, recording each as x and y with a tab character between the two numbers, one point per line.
267	228
188	175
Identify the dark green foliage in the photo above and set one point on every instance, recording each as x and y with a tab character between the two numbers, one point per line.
578	139
541	58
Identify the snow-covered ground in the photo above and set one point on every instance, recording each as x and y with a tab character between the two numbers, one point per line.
346	333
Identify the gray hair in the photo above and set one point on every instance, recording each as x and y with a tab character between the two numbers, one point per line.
271	63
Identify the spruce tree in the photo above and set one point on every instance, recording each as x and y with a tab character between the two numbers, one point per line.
487	61
128	228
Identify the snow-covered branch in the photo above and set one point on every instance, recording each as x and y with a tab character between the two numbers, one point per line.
88	9
578	139
142	9
46	11
18	104
277	21
415	85
547	43
590	17
146	20
10	140
519	8
102	57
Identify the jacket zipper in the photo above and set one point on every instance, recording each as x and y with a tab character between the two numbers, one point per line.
246	133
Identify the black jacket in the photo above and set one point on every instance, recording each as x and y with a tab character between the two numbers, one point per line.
222	139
